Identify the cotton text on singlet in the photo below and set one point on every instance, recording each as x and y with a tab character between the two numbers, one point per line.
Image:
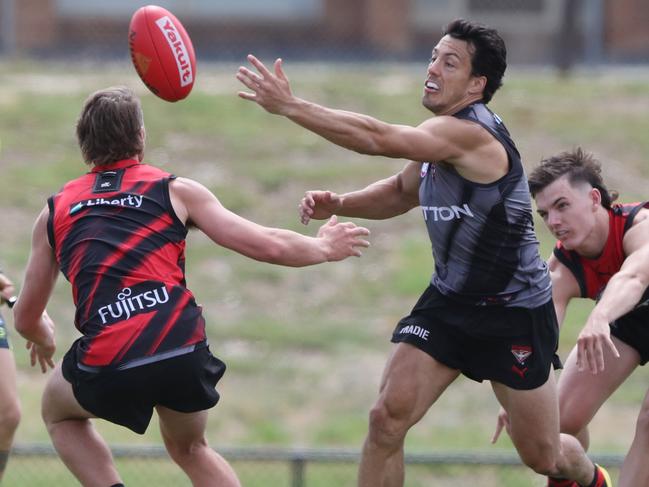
592	275
484	246
120	244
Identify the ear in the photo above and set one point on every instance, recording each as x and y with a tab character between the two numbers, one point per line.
477	85
595	197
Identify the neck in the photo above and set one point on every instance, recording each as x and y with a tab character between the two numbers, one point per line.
450	110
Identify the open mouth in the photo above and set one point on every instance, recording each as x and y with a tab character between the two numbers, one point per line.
431	86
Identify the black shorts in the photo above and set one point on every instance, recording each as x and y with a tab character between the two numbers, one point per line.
511	345
185	383
633	329
4	335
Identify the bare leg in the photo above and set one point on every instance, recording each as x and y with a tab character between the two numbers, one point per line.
83	451
534	429
635	469
9	406
184	437
581	394
411	383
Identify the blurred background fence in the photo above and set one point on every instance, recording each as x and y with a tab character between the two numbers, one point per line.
33	465
559	32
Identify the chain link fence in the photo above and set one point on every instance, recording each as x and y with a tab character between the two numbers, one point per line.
38	465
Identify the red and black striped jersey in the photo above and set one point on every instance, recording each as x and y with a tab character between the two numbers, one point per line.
593	274
119	242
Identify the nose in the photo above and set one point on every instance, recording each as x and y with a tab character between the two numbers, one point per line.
433	67
553	219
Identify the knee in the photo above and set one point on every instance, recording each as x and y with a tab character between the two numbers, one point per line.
386	428
9	419
572	424
542	459
184	450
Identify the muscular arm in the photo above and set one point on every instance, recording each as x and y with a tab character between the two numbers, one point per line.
380	200
564	287
626	287
385	198
464	144
622	294
335	241
30	318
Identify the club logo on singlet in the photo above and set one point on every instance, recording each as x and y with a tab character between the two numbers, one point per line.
128	304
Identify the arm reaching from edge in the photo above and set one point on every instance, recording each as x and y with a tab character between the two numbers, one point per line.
380	200
622	294
335	240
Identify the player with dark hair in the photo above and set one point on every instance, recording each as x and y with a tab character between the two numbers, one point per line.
602	253
9	402
118	233
488	312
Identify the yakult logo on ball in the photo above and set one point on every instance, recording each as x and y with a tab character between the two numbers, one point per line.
179	49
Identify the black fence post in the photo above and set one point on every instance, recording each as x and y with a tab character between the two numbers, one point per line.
298	465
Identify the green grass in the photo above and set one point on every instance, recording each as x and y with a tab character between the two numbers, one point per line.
306	347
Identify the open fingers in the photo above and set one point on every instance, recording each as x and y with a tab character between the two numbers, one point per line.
247	80
263	70
279	72
360	231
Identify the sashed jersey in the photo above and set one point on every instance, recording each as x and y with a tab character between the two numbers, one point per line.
593	274
484	245
120	244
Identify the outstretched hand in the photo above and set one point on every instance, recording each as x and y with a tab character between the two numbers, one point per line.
318	205
344	239
43	353
593	341
270	90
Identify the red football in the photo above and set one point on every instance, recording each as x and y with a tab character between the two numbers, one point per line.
162	52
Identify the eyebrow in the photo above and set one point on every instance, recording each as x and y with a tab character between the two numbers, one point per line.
553	204
446	54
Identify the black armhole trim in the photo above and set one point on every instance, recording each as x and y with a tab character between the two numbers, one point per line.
50	222
632	214
170	207
573	264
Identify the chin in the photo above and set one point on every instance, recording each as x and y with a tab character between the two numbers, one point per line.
430	106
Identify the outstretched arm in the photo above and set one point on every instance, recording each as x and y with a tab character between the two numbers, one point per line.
622	294
380	200
30	317
436	139
335	241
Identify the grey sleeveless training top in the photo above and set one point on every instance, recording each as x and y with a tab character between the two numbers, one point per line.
484	245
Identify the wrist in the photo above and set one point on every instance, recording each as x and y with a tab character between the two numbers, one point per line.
293	107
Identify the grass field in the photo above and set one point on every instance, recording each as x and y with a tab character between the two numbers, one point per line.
305	347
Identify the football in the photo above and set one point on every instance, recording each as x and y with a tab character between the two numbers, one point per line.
162	53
